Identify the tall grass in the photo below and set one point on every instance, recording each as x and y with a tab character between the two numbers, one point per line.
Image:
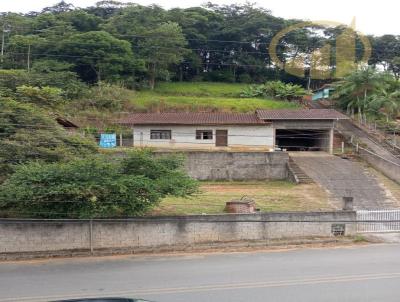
155	102
201	89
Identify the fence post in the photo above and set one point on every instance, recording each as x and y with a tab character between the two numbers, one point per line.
342	147
347	203
91	236
120	139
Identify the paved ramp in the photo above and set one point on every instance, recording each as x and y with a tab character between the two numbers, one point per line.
348	129
343	177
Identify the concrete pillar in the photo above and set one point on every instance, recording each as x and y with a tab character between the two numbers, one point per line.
273	138
348	203
331	141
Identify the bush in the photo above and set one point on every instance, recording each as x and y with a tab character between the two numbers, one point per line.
219	76
65	80
275	89
48	96
245	78
28	133
107	96
94	187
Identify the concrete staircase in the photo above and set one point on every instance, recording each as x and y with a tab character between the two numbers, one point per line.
297	174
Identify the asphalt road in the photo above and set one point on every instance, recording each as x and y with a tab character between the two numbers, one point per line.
361	273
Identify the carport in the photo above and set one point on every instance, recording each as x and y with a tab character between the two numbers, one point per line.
302	130
302	139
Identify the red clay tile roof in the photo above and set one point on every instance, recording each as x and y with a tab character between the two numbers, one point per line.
182	118
303	114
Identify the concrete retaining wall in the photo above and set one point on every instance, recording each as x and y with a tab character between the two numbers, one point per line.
25	237
389	169
236	165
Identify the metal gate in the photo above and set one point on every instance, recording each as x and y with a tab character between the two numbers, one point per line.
378	221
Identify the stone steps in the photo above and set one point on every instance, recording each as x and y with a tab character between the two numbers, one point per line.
298	173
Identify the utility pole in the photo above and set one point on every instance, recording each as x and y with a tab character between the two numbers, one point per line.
29	57
2	42
3	32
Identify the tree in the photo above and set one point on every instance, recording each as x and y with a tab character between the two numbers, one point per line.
106	8
59	8
28	133
42	96
386	102
97	56
162	47
24	47
395	67
96	187
156	41
355	90
81	20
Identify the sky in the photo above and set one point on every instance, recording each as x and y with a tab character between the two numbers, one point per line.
372	17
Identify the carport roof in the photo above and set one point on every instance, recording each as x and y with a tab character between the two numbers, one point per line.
303	114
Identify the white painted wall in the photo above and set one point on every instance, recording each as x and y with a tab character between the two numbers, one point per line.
245	136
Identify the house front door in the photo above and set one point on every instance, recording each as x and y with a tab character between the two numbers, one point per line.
221	138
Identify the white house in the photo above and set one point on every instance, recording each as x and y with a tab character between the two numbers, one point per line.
310	129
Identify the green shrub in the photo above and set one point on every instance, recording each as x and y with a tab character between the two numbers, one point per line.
94	187
28	133
245	78
107	96
219	76
65	80
49	96
275	89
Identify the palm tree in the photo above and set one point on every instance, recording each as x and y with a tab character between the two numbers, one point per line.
354	91
387	102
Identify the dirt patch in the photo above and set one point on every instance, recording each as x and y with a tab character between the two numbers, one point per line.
269	196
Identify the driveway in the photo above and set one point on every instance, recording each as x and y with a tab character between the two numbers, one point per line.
344	177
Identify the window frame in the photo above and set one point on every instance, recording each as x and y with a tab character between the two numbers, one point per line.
160	135
200	134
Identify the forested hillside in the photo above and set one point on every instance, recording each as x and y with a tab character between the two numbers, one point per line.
138	45
90	66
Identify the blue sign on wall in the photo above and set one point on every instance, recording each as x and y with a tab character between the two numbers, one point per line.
108	140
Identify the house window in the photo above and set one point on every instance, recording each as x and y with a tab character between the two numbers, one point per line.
204	134
160	134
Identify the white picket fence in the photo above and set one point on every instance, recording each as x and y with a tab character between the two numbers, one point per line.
370	221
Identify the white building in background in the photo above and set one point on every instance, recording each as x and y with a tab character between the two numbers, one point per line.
310	129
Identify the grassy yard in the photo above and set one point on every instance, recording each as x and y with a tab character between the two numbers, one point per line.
202	96
269	196
152	101
200	89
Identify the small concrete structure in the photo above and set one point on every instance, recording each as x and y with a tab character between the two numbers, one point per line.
348	203
244	205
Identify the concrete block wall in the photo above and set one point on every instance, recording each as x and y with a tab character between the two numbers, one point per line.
237	165
53	236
